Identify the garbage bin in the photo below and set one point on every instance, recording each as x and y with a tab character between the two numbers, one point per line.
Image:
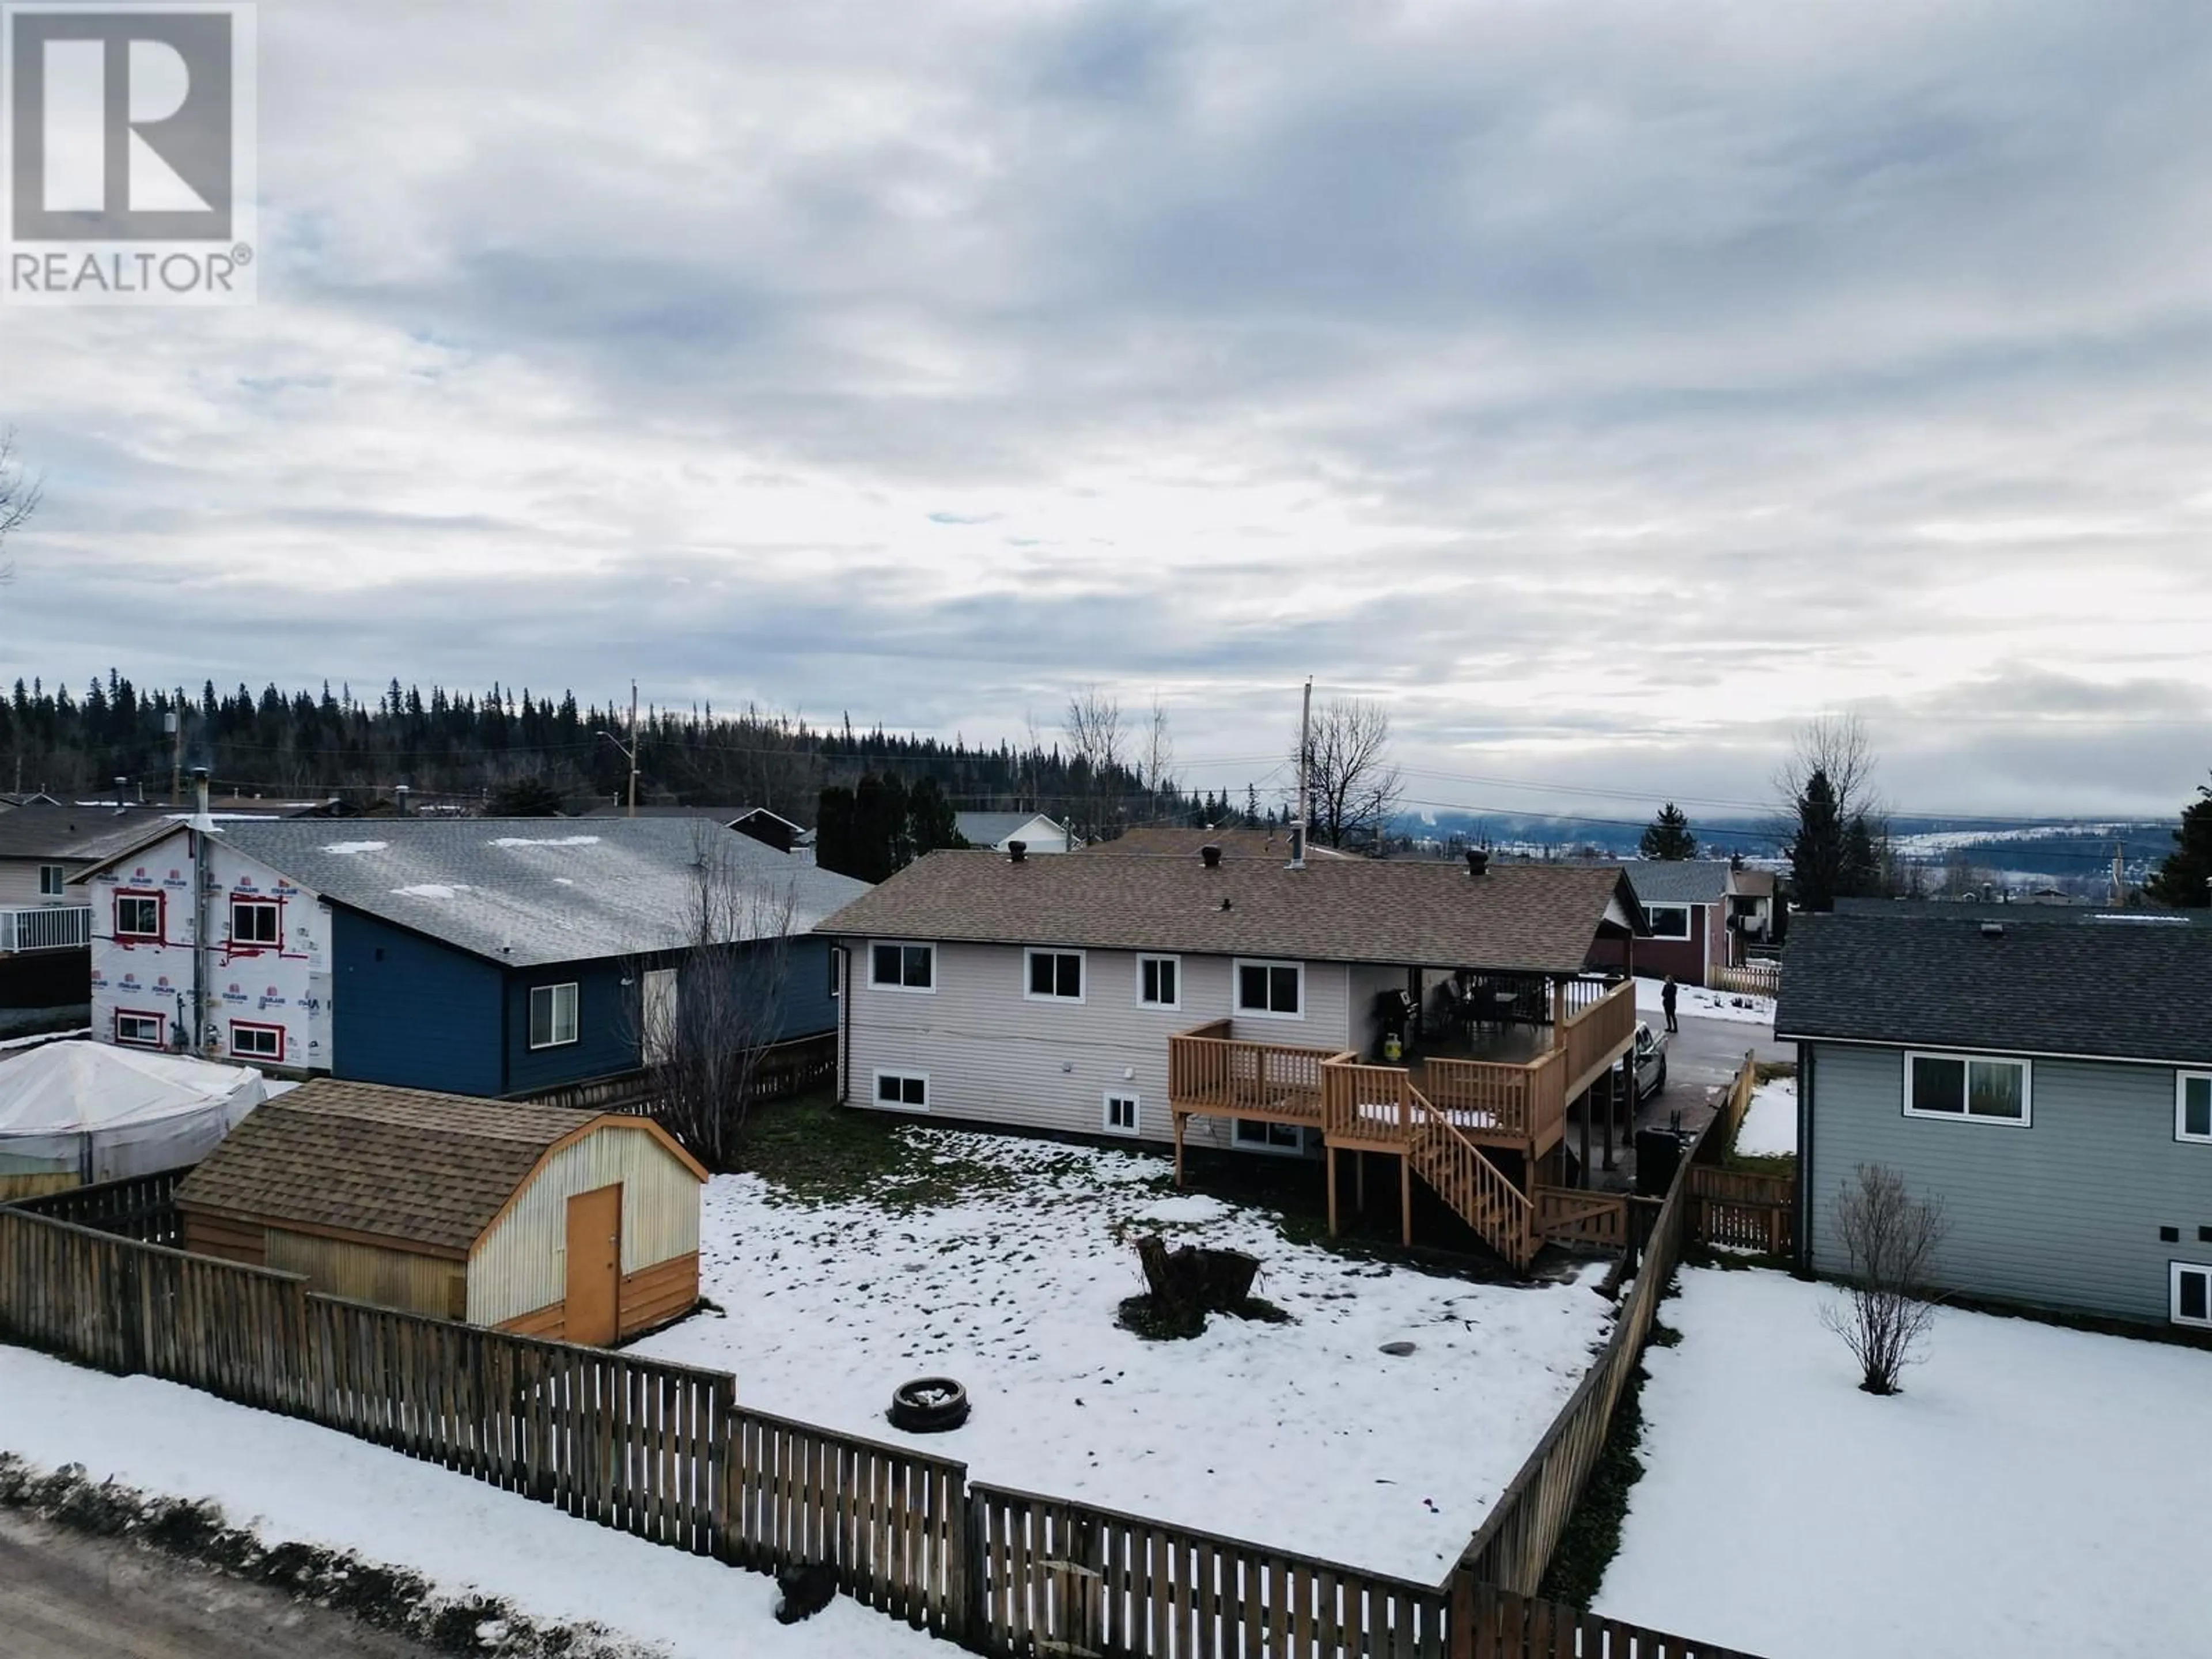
1658	1155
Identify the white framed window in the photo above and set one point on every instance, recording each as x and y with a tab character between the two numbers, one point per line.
1270	990
2192	1106
1052	975
2191	1302
896	966
256	922
907	1091
1974	1087
1254	1135
552	1015
1668	920
1123	1110
138	1030
1159	982
249	1041
53	880
138	915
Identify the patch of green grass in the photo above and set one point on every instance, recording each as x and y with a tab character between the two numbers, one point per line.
811	1150
1592	1536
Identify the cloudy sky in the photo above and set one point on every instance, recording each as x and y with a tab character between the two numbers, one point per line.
1606	386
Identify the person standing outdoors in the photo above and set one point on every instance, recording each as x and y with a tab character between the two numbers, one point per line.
1667	995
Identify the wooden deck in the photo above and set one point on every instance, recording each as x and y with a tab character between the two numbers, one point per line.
1441	1115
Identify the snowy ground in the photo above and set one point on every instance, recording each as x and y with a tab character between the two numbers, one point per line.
2034	1492
1301	1435
1695	999
1769	1124
297	1482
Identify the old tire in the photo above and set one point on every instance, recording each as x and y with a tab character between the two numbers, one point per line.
928	1405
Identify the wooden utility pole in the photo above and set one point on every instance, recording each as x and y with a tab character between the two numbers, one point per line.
632	749
1305	749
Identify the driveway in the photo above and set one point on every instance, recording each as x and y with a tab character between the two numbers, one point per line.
64	1596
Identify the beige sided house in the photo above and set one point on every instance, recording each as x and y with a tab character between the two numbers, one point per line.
1209	998
532	1219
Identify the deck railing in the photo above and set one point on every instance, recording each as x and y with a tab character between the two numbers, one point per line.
1370	1103
1600	1030
1489	1100
1207	1066
49	927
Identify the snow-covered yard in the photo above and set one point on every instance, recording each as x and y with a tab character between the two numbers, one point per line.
1302	1436
2034	1492
1696	999
297	1482
1769	1122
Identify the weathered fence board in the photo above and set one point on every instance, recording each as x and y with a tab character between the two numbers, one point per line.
1489	1623
1743	1209
1059	1577
140	1207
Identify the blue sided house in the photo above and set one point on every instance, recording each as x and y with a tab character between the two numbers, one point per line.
471	956
2044	1073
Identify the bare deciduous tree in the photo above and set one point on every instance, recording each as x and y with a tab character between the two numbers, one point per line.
19	497
1840	747
709	1009
1159	760
1891	1240
1351	784
1093	727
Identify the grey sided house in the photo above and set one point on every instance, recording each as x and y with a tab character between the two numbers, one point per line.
2050	1081
1443	1013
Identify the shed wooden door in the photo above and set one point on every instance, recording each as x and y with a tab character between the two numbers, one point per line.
594	1287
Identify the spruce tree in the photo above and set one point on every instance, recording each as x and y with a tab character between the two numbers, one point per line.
1816	851
1667	836
2185	877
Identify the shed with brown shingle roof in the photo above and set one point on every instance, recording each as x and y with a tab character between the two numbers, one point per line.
530	1219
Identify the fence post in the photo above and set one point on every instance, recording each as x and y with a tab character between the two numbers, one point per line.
980	1634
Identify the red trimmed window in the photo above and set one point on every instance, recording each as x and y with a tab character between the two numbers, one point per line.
141	1030
251	1041
256	922
139	915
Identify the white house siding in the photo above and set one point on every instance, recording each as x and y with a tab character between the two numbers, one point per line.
287	985
521	1263
2063	1213
19	883
993	1055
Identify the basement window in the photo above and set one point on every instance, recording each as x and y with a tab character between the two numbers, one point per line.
2192	1106
1256	1136
552	1015
1055	976
907	1091
253	1041
2192	1294
141	1030
1122	1111
256	922
1967	1087
1668	920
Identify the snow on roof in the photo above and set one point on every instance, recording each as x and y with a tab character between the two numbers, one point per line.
502	889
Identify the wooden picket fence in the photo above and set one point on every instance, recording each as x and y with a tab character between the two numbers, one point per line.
1743	1209
1512	1549
667	1453
1753	979
143	1207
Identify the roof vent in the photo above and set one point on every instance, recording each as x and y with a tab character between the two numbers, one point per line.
1018	851
1210	855
1477	860
1224	902
1993	930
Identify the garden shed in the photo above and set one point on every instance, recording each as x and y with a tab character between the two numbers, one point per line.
534	1219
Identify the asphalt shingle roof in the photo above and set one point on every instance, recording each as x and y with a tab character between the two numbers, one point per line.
530	891
1167	842
2123	990
429	1169
71	833
1672	881
1539	918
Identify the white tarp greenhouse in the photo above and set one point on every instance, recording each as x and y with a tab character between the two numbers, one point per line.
77	1112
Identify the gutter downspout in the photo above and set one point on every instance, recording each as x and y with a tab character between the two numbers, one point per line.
1804	1242
844	953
